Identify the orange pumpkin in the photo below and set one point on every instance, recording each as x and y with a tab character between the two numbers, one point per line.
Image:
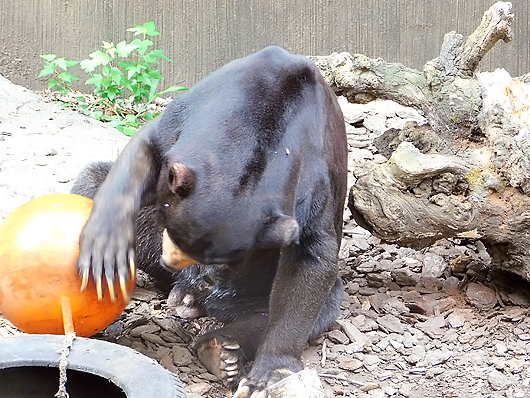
39	247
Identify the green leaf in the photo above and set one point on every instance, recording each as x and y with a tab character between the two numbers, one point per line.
173	89
129	131
88	65
67	77
135	69
106	83
105	70
152	91
155	74
100	58
52	83
126	83
116	75
47	70
124	49
62	90
143	45
145	79
61	63
98	115
150	115
49	57
71	63
126	64
112	92
147	29
150	29
158	54
138	30
96	79
80	99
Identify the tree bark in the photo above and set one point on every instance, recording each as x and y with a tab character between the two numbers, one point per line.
465	174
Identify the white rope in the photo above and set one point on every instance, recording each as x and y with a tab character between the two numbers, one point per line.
63	363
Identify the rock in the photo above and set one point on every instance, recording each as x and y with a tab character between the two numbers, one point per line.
417	355
370	360
434	266
181	356
455	321
378	280
433	326
390	323
354	334
498	381
450	285
346	362
375	124
353	113
405	277
481	296
395	307
338	337
200	389
139	330
437	357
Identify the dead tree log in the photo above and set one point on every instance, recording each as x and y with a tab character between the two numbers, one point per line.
466	173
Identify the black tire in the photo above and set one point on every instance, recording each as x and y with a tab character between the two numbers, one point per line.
137	375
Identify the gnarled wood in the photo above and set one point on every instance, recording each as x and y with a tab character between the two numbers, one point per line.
466	173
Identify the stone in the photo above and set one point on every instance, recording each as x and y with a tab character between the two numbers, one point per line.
390	323
405	277
417	355
201	389
481	296
433	326
338	337
346	362
455	320
434	266
354	334
450	285
353	113
148	328
181	356
375	124
436	357
498	381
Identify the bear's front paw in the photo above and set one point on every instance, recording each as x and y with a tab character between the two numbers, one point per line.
107	247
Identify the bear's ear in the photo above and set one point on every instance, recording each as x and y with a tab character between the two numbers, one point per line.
283	231
181	179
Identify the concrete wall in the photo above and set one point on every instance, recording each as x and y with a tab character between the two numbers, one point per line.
199	36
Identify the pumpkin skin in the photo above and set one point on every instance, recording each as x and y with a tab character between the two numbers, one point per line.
39	247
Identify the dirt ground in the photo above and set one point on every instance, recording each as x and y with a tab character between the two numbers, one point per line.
402	332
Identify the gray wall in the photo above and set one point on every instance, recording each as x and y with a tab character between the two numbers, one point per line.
199	36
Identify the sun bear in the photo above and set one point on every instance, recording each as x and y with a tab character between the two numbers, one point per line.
245	175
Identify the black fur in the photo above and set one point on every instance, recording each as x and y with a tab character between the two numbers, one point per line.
247	172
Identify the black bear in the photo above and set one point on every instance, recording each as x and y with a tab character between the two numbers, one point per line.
245	174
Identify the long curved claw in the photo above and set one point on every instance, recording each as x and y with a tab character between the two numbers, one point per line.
84	280
98	289
112	293
124	291
132	265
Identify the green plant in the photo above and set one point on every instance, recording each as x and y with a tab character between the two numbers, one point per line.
124	79
58	67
